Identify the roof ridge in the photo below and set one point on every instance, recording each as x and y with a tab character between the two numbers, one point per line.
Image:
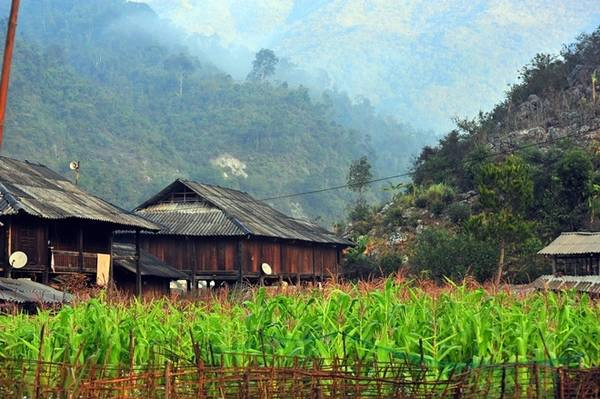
229	216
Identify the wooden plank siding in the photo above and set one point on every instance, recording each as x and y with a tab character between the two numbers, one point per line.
217	256
38	237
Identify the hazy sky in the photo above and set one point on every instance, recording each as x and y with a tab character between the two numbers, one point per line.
423	61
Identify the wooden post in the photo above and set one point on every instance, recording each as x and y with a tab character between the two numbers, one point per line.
138	269
8	51
8	247
46	275
109	283
314	271
554	265
80	247
282	266
194	265
238	261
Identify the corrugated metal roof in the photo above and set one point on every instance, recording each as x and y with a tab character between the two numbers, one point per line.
190	219
38	191
27	291
589	284
124	256
574	243
244	212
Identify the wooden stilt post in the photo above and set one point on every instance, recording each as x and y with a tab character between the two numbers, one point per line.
238	260
109	283
138	269
194	266
80	247
46	275
9	233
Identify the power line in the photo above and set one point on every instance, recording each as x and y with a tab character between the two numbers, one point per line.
407	174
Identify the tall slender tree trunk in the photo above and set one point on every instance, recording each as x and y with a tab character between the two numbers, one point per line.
500	264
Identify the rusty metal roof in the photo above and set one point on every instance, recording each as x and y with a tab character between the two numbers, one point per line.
27	291
574	243
223	211
589	284
124	256
38	191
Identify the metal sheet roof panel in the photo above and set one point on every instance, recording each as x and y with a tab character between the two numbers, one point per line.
124	256
573	243
235	213
27	291
183	219
589	284
38	191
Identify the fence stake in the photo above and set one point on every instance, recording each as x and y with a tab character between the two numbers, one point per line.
168	379
38	368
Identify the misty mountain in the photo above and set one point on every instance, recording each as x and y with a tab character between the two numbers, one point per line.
112	85
421	61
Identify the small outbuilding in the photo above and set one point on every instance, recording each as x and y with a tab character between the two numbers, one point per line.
29	295
218	234
574	254
157	276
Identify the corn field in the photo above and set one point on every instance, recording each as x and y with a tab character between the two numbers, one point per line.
374	331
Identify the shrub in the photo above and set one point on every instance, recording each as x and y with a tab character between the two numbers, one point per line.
459	212
390	263
441	253
437	207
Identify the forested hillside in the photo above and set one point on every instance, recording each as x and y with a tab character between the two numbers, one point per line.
109	83
501	186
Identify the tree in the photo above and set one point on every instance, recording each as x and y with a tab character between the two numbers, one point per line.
506	193
263	65
359	175
182	65
574	171
358	178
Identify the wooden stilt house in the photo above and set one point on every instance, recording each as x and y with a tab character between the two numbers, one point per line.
224	235
575	258
61	228
574	253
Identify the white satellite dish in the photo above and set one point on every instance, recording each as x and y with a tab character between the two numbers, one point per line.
18	260
266	269
74	165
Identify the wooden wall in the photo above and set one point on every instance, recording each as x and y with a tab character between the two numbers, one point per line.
34	236
151	286
220	255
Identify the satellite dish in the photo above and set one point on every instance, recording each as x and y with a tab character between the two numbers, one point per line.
74	165
18	260
266	269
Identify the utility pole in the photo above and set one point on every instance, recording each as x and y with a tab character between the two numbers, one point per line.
6	63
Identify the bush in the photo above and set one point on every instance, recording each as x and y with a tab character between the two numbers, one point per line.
421	202
435	197
459	212
436	208
390	263
441	253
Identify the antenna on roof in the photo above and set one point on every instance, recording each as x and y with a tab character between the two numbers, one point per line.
74	166
8	50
